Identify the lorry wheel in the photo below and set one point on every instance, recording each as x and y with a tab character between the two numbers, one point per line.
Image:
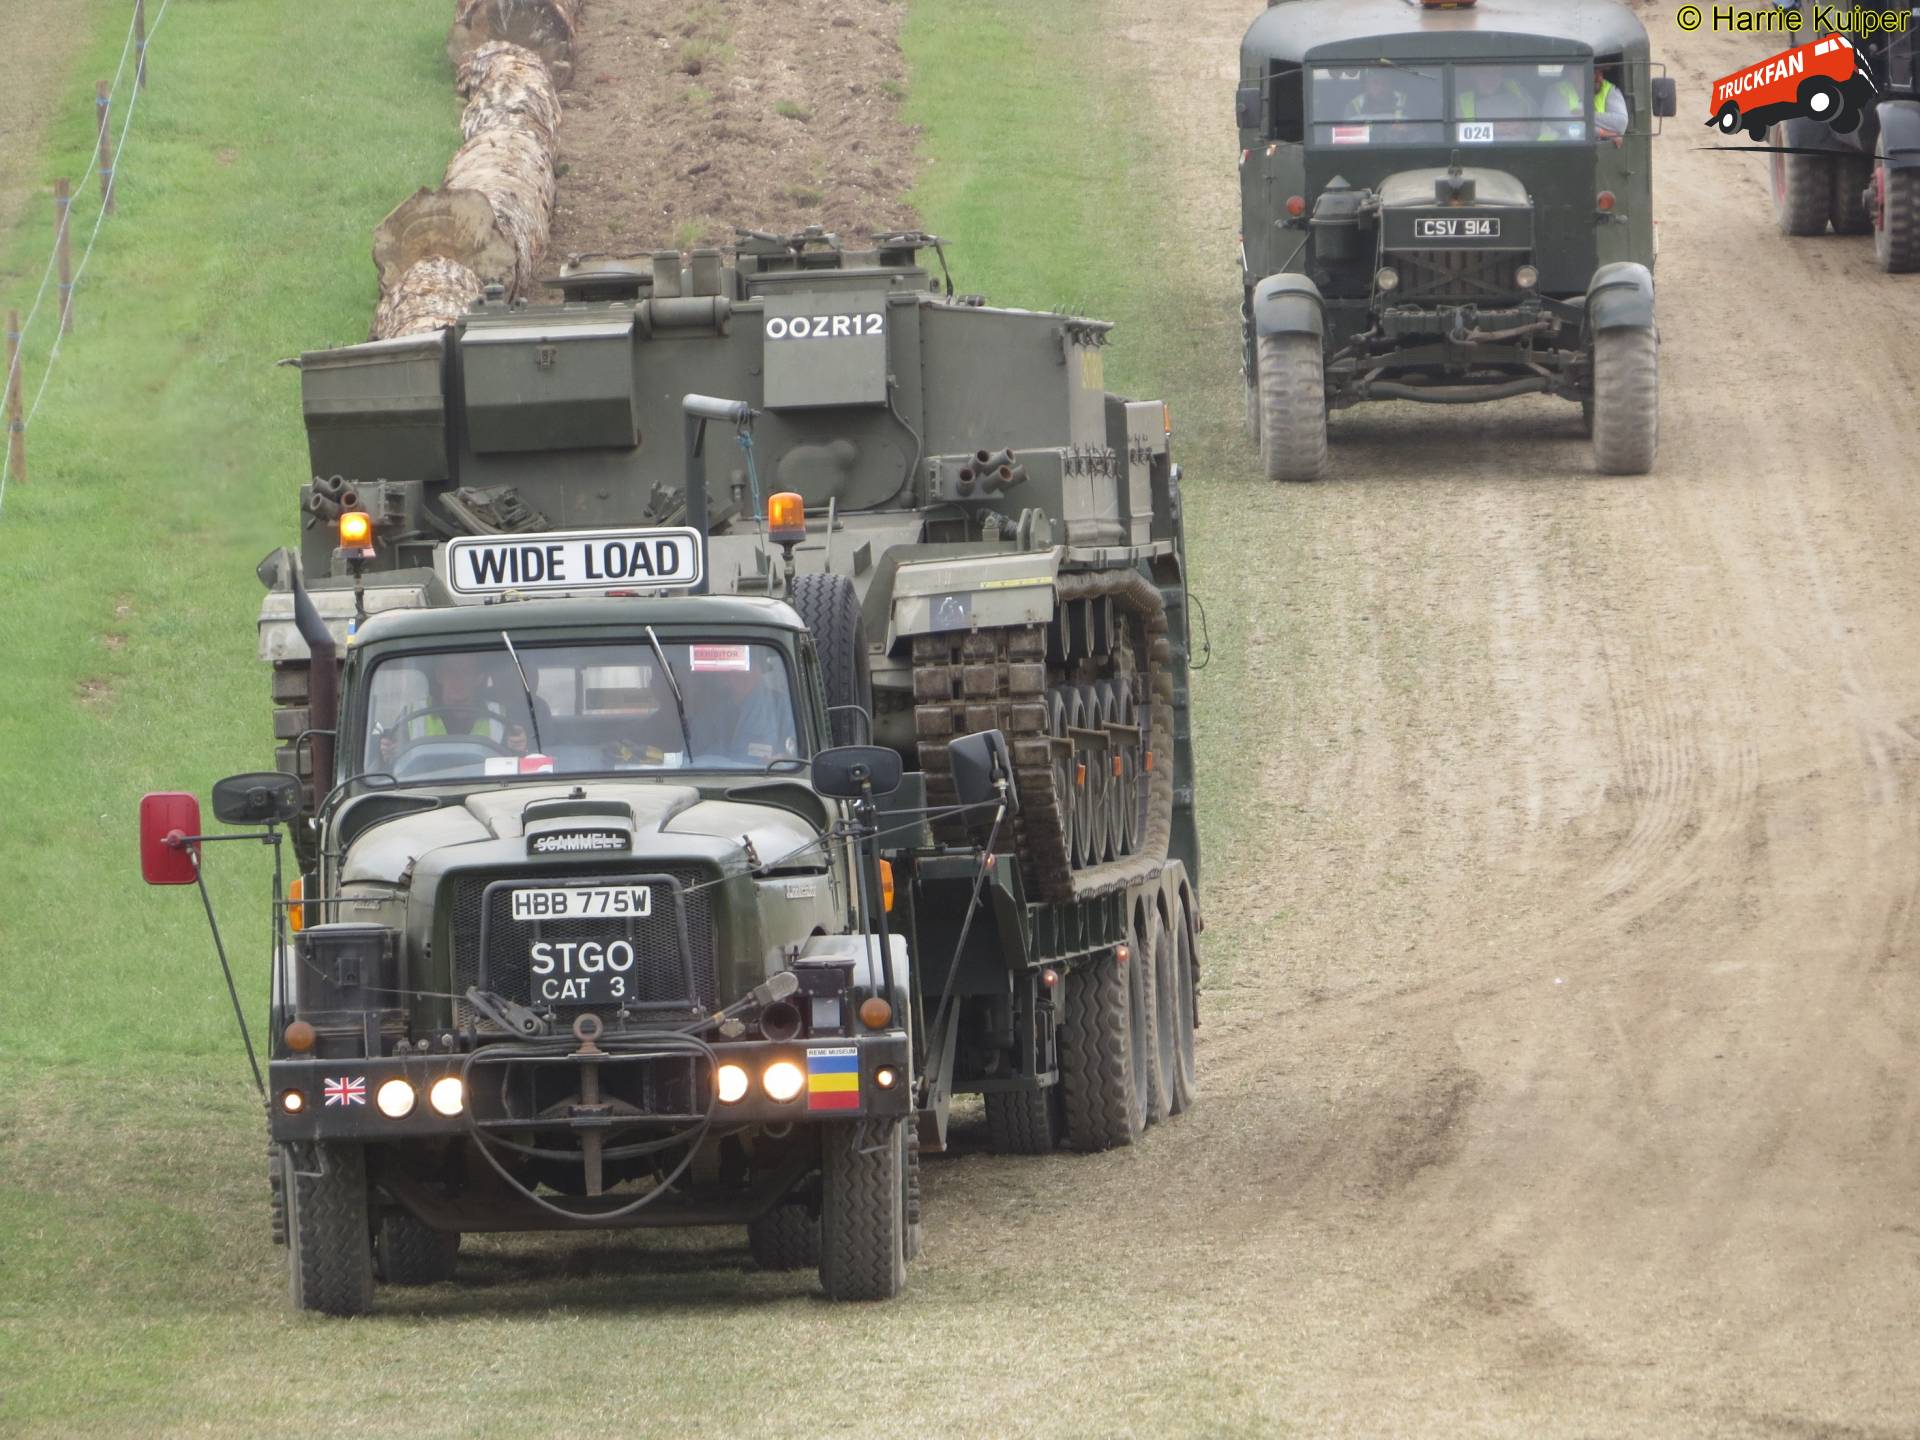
1103	1055
1293	407
1896	217
1166	1023
916	1232
330	1241
1186	1006
1024	1122
1586	417
277	1191
831	608
1802	190
1253	409
406	1252
1626	401
863	1220
787	1237
1852	178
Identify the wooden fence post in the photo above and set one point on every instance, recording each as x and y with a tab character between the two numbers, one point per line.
140	42
101	104
63	247
16	427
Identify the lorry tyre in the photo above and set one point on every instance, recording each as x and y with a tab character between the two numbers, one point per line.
1626	401
329	1236
916	1232
1253	409
1852	178
407	1252
1162	1051
831	608
277	1191
1024	1122
1293	407
1896	215
1102	1059
1802	190
863	1219
1186	1006
787	1237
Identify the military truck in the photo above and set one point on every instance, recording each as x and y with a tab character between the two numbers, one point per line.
1434	209
920	520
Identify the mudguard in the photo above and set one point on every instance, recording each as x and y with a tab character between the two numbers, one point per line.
1900	133
1288	304
1620	297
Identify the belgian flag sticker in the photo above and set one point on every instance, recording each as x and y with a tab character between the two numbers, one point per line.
833	1078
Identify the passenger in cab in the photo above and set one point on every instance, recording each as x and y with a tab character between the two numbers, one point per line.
1492	94
1610	114
1379	99
739	707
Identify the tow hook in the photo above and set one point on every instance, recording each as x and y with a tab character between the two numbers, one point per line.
590	1116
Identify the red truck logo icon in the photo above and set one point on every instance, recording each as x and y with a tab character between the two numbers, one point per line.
1821	80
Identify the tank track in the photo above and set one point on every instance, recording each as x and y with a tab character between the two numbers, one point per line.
1093	818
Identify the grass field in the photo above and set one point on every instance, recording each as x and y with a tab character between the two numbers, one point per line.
140	1293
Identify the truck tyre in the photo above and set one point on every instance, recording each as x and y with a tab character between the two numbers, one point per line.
1166	1022
1896	218
863	1219
1024	1122
277	1191
1103	1056
1802	190
406	1252
1186	1004
916	1232
329	1236
1293	407
831	608
1253	409
1852	178
1626	401
787	1237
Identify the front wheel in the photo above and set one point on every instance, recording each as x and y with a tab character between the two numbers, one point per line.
863	1211
1626	401
1293	407
1896	214
1802	190
329	1238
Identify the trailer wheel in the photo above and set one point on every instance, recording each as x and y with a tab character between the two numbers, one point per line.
1626	401
863	1219
1024	1122
407	1252
1165	1056
1896	217
916	1232
1852	179
831	608
1293	407
1802	190
329	1236
1186	987
787	1237
1103	1055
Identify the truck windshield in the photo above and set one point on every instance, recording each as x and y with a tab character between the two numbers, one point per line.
597	707
1402	105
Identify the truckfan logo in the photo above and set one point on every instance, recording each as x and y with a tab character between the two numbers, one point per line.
1823	80
346	1090
576	842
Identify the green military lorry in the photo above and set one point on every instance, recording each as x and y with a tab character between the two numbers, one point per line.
825	629
1447	203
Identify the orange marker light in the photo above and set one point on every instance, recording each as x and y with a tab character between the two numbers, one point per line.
886	885
1604	200
356	530
875	1012
296	912
787	518
1296	205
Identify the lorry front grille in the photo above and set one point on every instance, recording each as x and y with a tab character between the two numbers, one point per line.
1456	275
664	978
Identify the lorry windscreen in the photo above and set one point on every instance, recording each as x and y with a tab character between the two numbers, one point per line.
597	708
1458	105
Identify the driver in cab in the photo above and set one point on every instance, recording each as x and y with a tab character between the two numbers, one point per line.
459	704
740	711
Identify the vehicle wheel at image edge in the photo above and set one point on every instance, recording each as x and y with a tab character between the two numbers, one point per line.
1626	401
787	1237
1163	1045
1896	217
1293	407
863	1222
916	1231
406	1252
831	608
1186	973
1852	215
1024	1122
329	1240
1802	190
1104	1106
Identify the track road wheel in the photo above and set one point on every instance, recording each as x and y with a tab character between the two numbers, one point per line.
831	608
1626	401
1293	408
1102	1060
329	1238
1852	178
1024	1122
1896	214
863	1212
1802	189
787	1237
409	1253
1165	1059
1186	1006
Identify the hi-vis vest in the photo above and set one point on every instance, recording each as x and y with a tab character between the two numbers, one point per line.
1569	94
1466	104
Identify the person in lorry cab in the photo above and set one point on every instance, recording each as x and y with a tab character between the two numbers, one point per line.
1494	95
459	703
739	708
1609	101
1379	99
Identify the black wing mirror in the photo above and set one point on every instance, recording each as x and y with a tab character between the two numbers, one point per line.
850	772
1246	107
263	798
1666	97
980	763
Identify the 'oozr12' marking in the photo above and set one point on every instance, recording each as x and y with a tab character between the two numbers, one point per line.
826	327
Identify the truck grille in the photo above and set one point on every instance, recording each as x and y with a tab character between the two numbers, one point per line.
1457	274
664	977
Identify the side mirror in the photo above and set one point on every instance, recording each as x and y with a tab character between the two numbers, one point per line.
980	763
1246	107
1666	97
846	772
264	797
167	818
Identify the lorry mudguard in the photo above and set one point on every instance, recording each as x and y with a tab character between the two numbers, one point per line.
1620	297
1288	304
1900	133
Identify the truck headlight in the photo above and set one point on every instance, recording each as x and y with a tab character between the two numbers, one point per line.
783	1080
395	1099
447	1095
1387	280
730	1084
1526	277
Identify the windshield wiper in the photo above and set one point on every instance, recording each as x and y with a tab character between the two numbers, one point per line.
679	704
533	710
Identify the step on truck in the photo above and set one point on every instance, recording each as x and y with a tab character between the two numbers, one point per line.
723	715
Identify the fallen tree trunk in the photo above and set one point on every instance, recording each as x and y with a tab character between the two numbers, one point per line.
546	27
430	295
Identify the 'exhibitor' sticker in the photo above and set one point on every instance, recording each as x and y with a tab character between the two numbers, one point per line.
721	657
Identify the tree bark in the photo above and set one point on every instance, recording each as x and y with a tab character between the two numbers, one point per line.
430	295
546	27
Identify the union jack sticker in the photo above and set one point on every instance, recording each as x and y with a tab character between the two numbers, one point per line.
347	1090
